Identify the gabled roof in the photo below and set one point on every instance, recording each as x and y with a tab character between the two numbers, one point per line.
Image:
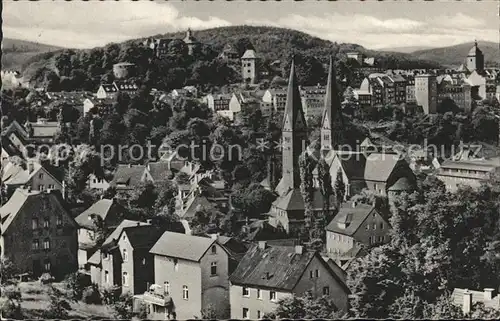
402	184
249	54
16	175
128	175
123	85
109	88
372	167
183	246
293	201
104	208
113	237
30	199
349	218
144	236
159	170
194	204
276	267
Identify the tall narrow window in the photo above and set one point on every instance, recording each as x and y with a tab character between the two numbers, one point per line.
246	291
106	277
34	223
125	255
272	295
166	286
213	268
46	244
245	313
185	292
46	265
59	220
214	249
316	273
259	294
46	222
125	279
176	265
326	290
35	245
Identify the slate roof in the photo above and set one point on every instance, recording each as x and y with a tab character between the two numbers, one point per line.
373	167
95	259
402	184
249	54
293	201
102	208
351	216
183	246
159	170
143	236
17	175
128	175
113	237
284	265
20	198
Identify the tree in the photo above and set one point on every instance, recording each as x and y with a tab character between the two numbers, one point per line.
339	187
59	307
306	307
85	161
11	303
307	191
75	283
123	307
325	185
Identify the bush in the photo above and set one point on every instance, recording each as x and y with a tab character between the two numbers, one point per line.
76	283
110	296
91	295
124	306
46	278
11	310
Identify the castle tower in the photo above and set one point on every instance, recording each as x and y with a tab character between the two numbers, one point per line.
475	59
249	70
190	41
294	137
332	123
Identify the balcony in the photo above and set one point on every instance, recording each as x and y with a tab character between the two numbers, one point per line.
163	300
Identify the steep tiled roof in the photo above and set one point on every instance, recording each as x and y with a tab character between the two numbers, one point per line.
102	208
373	167
113	237
159	170
143	236
128	175
182	246
293	201
402	184
249	54
275	267
349	218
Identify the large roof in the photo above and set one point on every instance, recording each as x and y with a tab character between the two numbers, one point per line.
373	167
130	175
183	246
474	51
349	218
30	200
159	170
102	208
113	237
275	267
249	54
293	201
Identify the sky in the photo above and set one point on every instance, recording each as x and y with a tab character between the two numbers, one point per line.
372	24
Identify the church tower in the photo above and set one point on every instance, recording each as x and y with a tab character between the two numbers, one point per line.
475	59
294	137
332	123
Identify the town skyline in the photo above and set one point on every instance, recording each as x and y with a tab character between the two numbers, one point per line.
371	25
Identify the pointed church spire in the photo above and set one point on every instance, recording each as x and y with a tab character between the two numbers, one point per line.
331	122
294	136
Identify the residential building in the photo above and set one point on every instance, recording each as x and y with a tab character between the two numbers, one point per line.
461	95
267	274
355	226
277	97
229	52
249	64
107	91
219	103
129	177
103	105
410	90
373	87
399	88
465	299
32	175
127	87
478	78
364	98
194	273
101	217
426	92
356	56
239	101
467	171
123	260
98	183
38	233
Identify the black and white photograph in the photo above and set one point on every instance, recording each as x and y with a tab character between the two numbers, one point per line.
261	160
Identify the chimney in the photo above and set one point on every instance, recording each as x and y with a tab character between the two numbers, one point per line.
299	249
63	192
214	236
467	302
31	167
262	245
488	294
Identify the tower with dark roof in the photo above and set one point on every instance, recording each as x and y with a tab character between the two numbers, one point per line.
332	123
475	59
190	41
294	136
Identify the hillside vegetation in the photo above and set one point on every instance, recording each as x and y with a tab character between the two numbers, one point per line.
87	68
455	55
16	52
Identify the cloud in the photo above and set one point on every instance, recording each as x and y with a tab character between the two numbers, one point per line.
95	24
376	33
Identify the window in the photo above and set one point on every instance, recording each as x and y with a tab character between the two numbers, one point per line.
125	255
185	292
40	176
214	249
46	244
382	225
374	226
41	187
326	290
51	186
272	295
259	294
246	292
258	314
35	245
46	223
59	220
311	274
367	226
245	313
34	223
125	279
46	265
176	265
166	287
105	255
213	269
316	273
106	277
123	237
143	261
